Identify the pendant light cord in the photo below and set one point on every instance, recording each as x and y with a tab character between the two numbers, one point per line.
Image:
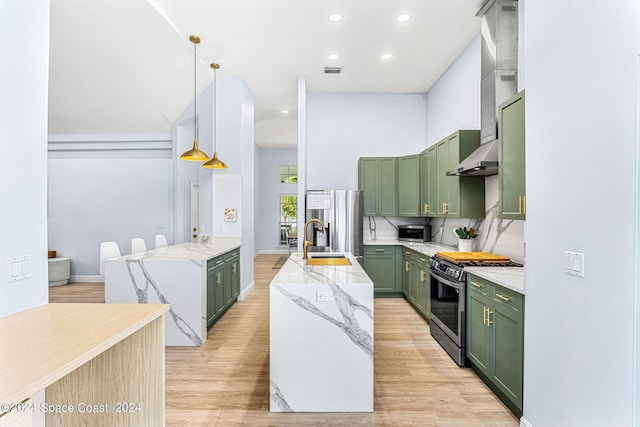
195	102
215	108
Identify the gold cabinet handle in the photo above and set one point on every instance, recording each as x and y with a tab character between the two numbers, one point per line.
489	313
407	267
446	207
503	297
379	250
422	275
519	204
477	285
218	280
522	205
234	268
425	208
484	315
422	260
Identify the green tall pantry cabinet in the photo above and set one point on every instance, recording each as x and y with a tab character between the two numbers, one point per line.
377	179
511	163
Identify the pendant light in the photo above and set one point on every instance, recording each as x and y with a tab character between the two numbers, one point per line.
195	154
215	163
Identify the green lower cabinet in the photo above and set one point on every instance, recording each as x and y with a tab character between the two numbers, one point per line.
235	279
416	281
211	299
423	286
477	331
223	284
231	277
495	338
381	265
409	274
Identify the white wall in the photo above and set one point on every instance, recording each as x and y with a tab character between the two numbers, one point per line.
453	103
342	127
268	190
102	189
582	110
23	120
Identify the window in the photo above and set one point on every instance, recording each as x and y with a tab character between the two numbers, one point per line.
289	174
288	218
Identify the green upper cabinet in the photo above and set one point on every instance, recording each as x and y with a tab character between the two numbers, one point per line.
458	197
511	164
409	185
429	181
377	179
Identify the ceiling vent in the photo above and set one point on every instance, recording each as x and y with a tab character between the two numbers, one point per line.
332	70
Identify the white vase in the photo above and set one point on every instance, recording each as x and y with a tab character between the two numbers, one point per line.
465	245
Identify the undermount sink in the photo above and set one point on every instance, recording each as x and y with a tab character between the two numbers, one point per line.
327	259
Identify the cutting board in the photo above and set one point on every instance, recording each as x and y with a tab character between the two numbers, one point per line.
472	256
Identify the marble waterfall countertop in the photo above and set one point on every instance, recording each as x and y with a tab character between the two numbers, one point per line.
321	338
509	277
195	252
175	275
295	270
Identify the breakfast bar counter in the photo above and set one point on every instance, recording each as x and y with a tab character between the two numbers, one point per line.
321	338
175	275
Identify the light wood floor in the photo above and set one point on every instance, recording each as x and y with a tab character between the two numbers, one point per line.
226	381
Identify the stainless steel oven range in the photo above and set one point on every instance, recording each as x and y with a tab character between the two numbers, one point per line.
448	303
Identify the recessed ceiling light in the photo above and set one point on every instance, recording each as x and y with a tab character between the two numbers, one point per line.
333	56
284	111
386	56
335	17
403	17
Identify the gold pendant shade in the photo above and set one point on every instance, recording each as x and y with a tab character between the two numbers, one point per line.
215	163
195	154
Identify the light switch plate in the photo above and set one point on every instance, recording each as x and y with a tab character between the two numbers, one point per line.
18	268
573	263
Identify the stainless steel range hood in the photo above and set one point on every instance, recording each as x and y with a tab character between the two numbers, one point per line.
482	162
499	63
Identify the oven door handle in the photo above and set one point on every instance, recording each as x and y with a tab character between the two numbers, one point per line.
445	281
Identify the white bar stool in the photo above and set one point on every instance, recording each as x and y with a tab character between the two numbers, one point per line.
138	245
160	241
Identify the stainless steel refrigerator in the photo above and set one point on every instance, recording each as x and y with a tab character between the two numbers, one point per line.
341	211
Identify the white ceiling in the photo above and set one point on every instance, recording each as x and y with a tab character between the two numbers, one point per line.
126	66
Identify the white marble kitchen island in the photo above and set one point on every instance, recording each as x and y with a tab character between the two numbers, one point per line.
175	275
321	338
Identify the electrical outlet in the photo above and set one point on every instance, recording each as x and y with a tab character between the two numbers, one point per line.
574	263
324	296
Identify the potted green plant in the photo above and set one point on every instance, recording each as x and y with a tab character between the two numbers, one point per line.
465	238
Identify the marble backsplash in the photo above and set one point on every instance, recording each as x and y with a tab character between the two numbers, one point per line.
495	235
